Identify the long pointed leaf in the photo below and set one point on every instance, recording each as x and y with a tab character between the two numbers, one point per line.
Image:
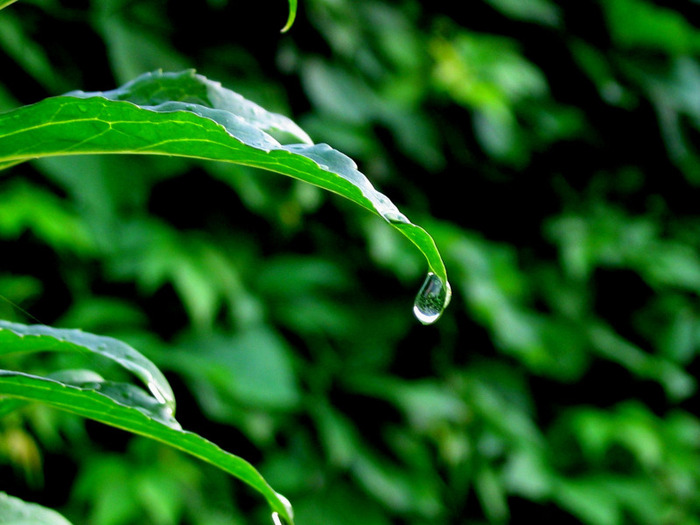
110	410
187	115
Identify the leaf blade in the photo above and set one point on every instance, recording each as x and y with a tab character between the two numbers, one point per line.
185	114
92	404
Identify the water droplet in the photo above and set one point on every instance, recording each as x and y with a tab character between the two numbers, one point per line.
432	299
280	520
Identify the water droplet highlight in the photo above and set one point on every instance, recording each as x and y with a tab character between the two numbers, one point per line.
278	520
432	299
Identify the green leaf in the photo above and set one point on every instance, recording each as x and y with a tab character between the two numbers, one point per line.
14	511
292	15
18	338
112	408
187	115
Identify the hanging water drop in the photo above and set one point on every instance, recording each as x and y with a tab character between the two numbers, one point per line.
432	299
277	519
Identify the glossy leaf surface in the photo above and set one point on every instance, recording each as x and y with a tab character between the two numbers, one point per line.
185	114
19	338
113	408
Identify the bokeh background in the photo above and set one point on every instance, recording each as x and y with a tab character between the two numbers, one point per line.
550	148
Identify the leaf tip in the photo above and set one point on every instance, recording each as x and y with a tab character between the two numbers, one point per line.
291	17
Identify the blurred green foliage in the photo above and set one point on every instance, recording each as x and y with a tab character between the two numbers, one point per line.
549	148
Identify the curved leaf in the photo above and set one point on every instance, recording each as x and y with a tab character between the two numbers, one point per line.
290	18
115	411
14	511
187	115
18	338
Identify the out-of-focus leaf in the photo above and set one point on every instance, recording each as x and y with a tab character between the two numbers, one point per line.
425	403
528	473
542	11
21	450
7	102
14	511
600	71
97	314
252	368
337	435
120	491
28	207
609	238
589	500
135	44
676	381
8	406
381	478
148	482
111	496
491	495
340	504
26	52
629	426
14	291
638	23
488	75
395	488
340	93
